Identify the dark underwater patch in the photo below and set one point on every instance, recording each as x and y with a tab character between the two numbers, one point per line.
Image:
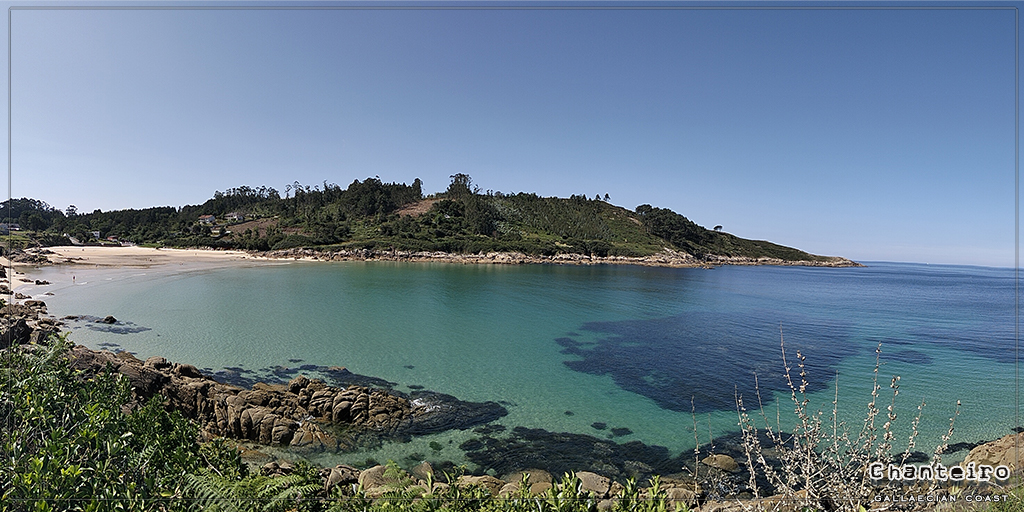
992	340
709	356
96	323
887	342
909	356
119	329
561	452
489	429
334	375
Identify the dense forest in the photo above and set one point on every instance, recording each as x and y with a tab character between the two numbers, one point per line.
380	216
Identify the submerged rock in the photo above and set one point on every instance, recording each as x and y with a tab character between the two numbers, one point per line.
561	452
437	412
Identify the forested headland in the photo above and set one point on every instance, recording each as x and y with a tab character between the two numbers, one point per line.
378	216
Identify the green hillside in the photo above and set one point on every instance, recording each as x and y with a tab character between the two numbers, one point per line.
382	216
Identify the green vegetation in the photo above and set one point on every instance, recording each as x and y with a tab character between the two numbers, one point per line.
697	240
1014	502
76	441
71	443
380	216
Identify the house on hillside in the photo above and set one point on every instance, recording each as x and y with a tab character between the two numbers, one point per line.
235	217
209	220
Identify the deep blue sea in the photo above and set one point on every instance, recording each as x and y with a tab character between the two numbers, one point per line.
563	347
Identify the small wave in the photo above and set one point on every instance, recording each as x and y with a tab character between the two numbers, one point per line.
425	404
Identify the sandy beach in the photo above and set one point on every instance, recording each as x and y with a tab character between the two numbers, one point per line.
139	256
31	280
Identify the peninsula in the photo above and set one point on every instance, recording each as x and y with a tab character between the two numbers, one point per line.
394	221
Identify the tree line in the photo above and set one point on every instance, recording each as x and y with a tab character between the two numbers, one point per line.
368	214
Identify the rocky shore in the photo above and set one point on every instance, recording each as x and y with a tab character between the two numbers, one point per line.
304	415
140	256
308	415
666	258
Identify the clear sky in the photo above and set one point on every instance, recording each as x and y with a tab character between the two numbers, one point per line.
875	134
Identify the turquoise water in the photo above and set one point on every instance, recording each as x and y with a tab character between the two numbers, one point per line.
563	346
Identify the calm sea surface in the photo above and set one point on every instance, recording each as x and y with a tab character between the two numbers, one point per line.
563	347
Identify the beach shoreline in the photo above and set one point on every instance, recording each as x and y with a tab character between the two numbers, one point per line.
134	256
23	277
145	257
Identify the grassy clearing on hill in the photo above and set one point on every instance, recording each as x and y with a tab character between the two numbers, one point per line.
393	216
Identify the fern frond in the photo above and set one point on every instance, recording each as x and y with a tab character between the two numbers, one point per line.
211	492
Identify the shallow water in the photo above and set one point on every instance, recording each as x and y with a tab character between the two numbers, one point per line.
564	346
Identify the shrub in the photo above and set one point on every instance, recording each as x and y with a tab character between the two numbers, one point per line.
69	445
823	467
291	242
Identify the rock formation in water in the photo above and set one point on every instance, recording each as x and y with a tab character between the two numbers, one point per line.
305	414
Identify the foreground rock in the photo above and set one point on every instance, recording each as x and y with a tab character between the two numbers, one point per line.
1006	451
306	414
25	323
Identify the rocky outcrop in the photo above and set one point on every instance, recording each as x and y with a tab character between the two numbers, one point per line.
1006	451
492	484
339	475
30	257
825	261
723	462
665	258
25	323
302	414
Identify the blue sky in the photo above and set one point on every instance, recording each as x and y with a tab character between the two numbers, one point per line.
875	134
